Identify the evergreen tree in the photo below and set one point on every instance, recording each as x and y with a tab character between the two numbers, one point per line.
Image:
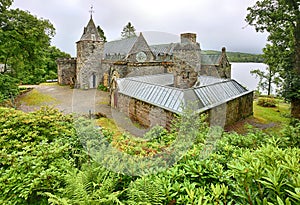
128	31
101	33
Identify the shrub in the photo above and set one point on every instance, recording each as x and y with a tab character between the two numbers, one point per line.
102	87
267	102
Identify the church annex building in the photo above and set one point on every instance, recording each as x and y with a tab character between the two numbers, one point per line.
152	83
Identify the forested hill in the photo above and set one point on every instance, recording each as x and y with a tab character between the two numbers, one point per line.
238	56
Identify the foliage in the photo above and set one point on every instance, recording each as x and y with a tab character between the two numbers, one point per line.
101	33
128	31
146	190
42	162
102	87
281	19
25	47
4	4
37	150
9	87
266	175
267	102
267	79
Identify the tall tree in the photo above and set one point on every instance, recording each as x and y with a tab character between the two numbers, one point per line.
24	43
128	31
101	33
4	5
281	19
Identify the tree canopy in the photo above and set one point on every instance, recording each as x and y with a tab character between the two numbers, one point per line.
281	19
25	48
128	31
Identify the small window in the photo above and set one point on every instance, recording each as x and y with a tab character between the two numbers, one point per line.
93	37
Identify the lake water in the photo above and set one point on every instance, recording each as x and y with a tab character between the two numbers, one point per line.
241	73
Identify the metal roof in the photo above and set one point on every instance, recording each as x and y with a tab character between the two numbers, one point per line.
153	90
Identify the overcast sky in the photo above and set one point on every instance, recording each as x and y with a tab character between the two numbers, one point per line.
217	23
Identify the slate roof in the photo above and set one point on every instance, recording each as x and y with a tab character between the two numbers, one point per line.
90	32
122	46
154	90
210	59
162	49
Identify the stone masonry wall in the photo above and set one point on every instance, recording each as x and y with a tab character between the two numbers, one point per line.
145	114
148	115
89	55
236	109
66	71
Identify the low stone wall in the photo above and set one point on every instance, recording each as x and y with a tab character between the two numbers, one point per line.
149	115
232	112
145	114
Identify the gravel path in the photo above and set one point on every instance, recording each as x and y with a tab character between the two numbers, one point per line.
72	100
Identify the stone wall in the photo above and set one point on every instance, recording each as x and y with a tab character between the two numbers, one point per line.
89	55
66	71
149	115
145	114
216	71
236	109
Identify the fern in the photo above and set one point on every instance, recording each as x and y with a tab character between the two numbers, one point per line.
146	190
93	185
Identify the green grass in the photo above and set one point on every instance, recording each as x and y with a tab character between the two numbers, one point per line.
270	119
35	98
110	125
279	114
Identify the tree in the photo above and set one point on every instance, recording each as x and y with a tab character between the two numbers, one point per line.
281	19
24	43
128	31
51	54
4	4
101	33
9	87
271	76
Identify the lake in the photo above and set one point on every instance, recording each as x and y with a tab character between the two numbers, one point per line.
241	73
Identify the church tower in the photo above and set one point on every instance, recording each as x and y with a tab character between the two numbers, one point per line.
89	54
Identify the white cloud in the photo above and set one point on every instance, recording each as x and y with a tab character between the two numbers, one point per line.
217	22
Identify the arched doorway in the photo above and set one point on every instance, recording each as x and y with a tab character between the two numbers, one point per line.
93	81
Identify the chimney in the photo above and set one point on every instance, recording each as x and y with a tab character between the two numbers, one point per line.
188	38
223	50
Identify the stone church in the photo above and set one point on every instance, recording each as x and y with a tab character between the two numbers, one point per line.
150	81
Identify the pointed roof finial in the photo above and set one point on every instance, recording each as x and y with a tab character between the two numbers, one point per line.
92	11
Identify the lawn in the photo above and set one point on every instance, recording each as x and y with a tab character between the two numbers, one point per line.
36	98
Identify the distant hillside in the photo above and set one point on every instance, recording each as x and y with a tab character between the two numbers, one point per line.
238	56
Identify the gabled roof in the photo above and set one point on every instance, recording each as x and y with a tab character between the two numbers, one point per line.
90	32
153	90
122	46
162	49
210	59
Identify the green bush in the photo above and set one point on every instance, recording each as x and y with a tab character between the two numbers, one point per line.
37	150
267	102
9	87
102	87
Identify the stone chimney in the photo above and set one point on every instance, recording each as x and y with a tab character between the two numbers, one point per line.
188	38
